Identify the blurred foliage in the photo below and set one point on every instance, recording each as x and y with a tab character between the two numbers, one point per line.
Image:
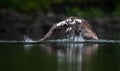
87	13
40	5
117	10
27	5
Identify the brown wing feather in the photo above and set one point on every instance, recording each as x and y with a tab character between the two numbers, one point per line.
55	32
50	32
87	31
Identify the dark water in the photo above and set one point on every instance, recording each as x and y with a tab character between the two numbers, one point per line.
60	57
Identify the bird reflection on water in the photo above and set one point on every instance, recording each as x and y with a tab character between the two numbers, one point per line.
70	56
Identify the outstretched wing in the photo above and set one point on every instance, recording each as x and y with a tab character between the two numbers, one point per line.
89	34
87	31
55	32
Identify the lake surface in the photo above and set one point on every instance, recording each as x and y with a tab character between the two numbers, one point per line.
60	57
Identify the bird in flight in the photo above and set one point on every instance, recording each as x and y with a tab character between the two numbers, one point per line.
71	28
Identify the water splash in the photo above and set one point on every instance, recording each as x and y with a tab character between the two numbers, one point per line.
76	40
27	39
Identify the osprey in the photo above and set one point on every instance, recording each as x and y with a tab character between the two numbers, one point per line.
71	28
